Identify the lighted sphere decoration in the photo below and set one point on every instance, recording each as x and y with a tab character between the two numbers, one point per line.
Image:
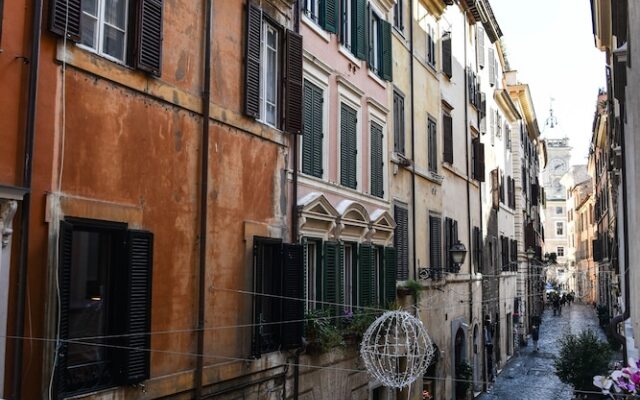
396	349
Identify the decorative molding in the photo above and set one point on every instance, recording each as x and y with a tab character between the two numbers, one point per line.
7	212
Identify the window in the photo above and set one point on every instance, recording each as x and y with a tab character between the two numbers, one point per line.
346	21
380	46
348	146
105	28
278	270
312	9
477	248
350	250
266	42
447	130
432	134
431	46
377	161
435	242
492	67
398	15
313	128
480	46
398	123
401	241
313	255
559	228
477	155
450	238
559	210
447	64
560	252
105	289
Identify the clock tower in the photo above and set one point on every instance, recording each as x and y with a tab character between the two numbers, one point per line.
558	163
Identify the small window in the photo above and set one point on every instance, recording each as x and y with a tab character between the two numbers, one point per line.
559	210
380	46
431	46
374	44
560	252
346	23
103	26
312	9
432	133
312	261
559	228
398	15
269	92
398	123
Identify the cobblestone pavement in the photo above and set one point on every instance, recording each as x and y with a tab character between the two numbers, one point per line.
531	375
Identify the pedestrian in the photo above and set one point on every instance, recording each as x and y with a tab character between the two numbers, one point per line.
556	304
535	335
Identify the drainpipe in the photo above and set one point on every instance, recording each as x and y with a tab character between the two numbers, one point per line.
204	191
413	153
466	146
30	132
613	325
294	217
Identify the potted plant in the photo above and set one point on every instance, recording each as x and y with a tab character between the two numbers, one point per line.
321	332
356	324
464	374
411	287
581	357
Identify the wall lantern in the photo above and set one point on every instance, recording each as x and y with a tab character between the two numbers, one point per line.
458	252
530	253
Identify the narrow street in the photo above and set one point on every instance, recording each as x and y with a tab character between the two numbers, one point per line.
531	375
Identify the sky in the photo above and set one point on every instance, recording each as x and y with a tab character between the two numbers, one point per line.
550	43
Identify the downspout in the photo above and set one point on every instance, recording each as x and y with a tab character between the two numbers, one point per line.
466	147
204	191
413	153
30	132
613	325
294	217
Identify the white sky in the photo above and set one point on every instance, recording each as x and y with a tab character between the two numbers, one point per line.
550	44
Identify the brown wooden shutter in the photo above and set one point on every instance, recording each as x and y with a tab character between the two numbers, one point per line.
64	17
149	36
252	62
446	55
293	100
478	160
448	139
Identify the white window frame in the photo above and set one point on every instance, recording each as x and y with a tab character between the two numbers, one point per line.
560	224
312	10
558	252
99	33
345	25
373	44
264	74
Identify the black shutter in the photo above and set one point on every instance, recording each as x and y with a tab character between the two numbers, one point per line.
330	277
292	288
366	276
64	16
64	283
348	146
448	139
398	123
534	194
252	62
448	240
138	318
387	56
294	83
377	169
446	55
361	24
401	241
330	15
478	160
149	36
435	242
390	271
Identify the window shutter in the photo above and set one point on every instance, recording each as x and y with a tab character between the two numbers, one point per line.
340	289
446	55
318	135
448	139
348	149
361	24
495	188
435	242
294	83
330	276
256	340
492	67
149	36
330	11
64	16
252	62
387	56
308	141
478	161
377	176
366	276
496	69
480	46
292	287
389	275
64	282
138	319
401	242
483	113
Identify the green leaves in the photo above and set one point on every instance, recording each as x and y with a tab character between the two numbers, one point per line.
581	357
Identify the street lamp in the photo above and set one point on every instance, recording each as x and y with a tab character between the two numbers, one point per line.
458	253
530	253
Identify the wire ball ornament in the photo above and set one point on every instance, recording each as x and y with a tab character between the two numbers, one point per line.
396	349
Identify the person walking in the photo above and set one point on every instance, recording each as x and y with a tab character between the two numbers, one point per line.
535	335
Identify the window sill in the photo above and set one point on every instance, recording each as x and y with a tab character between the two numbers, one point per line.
349	55
315	27
430	68
377	79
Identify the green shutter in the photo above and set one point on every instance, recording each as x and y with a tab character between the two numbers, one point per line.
330	276
293	288
386	53
361	23
389	275
312	130
435	242
377	163
348	149
340	287
330	15
366	276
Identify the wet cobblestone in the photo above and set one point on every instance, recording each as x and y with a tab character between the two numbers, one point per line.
531	375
